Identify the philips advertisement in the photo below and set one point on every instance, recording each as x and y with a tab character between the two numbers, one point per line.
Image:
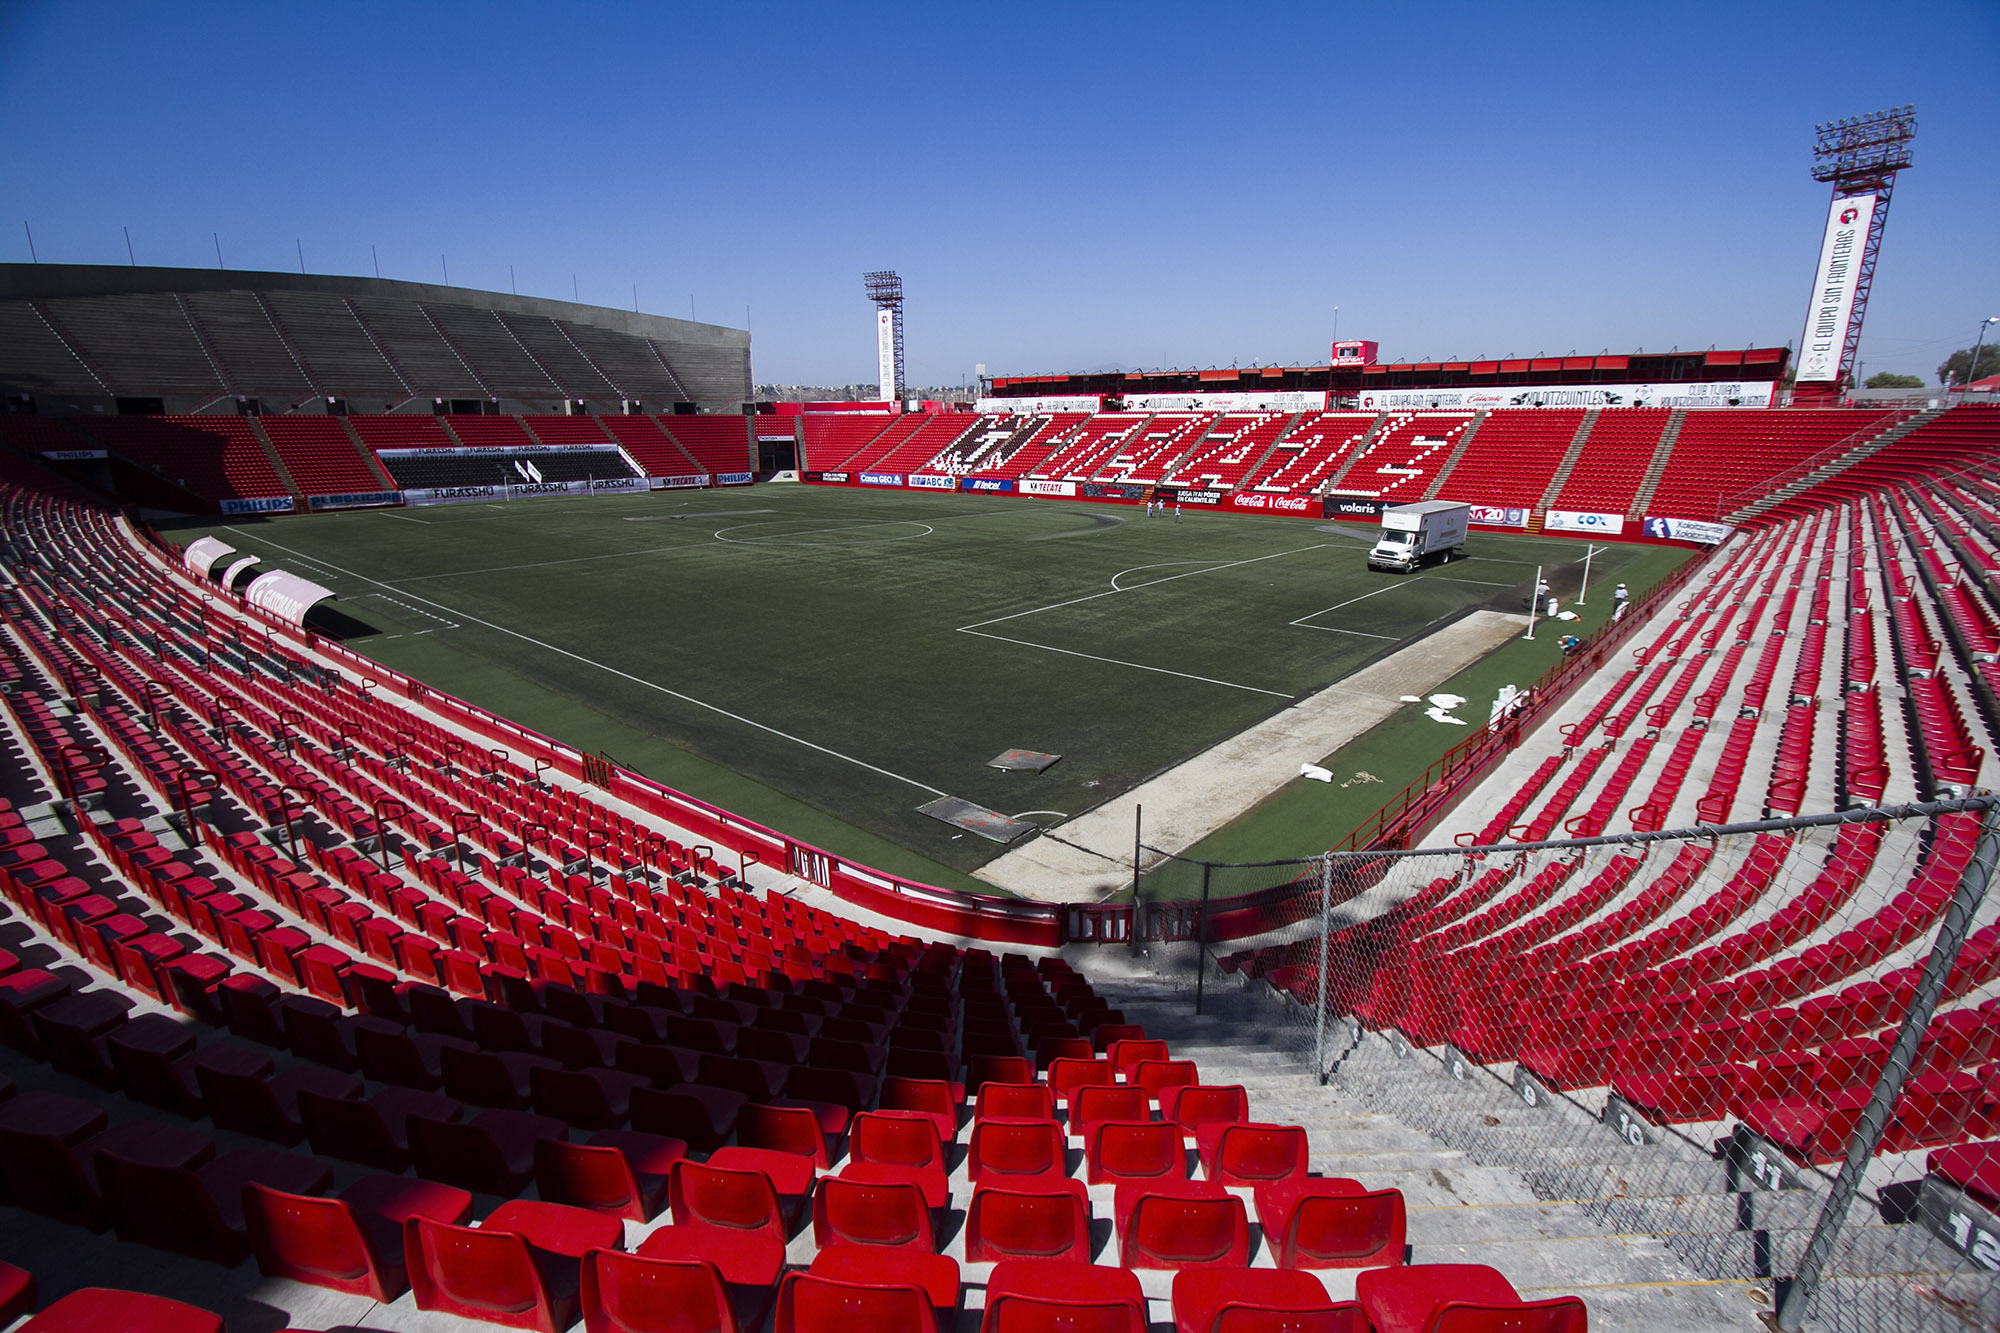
263	504
732	478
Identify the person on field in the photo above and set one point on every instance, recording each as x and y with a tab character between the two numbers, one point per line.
1619	599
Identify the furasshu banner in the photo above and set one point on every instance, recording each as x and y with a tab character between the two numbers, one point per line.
1031	407
497	451
1577	520
1280	400
1832	309
1721	393
1687	530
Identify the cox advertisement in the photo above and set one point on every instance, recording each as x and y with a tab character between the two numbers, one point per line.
1577	520
1687	530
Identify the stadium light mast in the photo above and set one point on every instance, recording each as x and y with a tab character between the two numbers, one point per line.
885	289
1859	156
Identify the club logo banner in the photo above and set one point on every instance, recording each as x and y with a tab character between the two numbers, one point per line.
993	484
1495	516
1030	487
1687	530
924	482
1576	520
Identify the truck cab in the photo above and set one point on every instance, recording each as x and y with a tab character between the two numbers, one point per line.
1413	532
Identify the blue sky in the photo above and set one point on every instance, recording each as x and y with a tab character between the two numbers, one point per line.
1061	186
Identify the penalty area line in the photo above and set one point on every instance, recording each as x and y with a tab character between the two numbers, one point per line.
1116	661
623	675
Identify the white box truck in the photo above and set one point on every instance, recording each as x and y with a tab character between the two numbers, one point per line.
1414	532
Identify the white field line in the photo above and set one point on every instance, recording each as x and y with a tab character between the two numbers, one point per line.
624	675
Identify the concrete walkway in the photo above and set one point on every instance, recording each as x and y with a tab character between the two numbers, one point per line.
1090	857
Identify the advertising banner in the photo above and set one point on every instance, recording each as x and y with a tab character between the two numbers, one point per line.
733	478
1721	393
1494	516
1029	407
1032	487
618	484
1259	502
885	352
995	485
357	500
923	482
1278	400
1832	308
1111	490
452	495
1353	506
1687	530
203	552
1198	497
238	568
74	455
881	479
261	504
677	483
286	596
1578	520
496	450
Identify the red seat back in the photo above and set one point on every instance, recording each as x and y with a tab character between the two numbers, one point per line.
479	1274
1176	1231
895	1138
707	1196
1011	1147
1134	1150
1020	1101
1004	1223
852	1212
624	1293
809	1304
319	1242
1097	1102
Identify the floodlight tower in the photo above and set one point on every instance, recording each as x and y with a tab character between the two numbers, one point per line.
1859	156
885	289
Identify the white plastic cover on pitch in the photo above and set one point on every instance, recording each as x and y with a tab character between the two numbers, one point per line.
286	596
203	552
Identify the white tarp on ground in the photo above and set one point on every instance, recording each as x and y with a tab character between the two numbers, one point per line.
203	552
286	596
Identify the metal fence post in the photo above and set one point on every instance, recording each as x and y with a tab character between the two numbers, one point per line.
1958	914
1201	940
1325	928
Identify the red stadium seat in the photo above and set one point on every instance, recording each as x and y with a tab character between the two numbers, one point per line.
1316	1222
1259	1300
1006	1147
1119	1150
494	1153
1089	1105
737	1219
1459	1298
937	1274
1031	1219
618	1172
1066	1075
1125	1054
101	1310
1204	1104
856	1212
521	1268
353	1243
1015	1101
931	1097
17	1293
1157	1075
371	1133
1180	1224
792	1129
199	1212
1024	1296
812	1304
629	1293
1245	1154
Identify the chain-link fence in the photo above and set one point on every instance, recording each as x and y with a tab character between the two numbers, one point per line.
1776	1045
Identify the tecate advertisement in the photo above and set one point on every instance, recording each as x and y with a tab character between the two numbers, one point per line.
1721	393
881	479
1032	487
1687	530
1832	307
1493	516
679	483
1576	520
996	485
929	483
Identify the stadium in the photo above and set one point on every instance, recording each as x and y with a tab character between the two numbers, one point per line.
506	827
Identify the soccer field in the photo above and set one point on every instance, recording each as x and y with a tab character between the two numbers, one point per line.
827	660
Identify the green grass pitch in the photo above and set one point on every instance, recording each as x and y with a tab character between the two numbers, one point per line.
825	660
